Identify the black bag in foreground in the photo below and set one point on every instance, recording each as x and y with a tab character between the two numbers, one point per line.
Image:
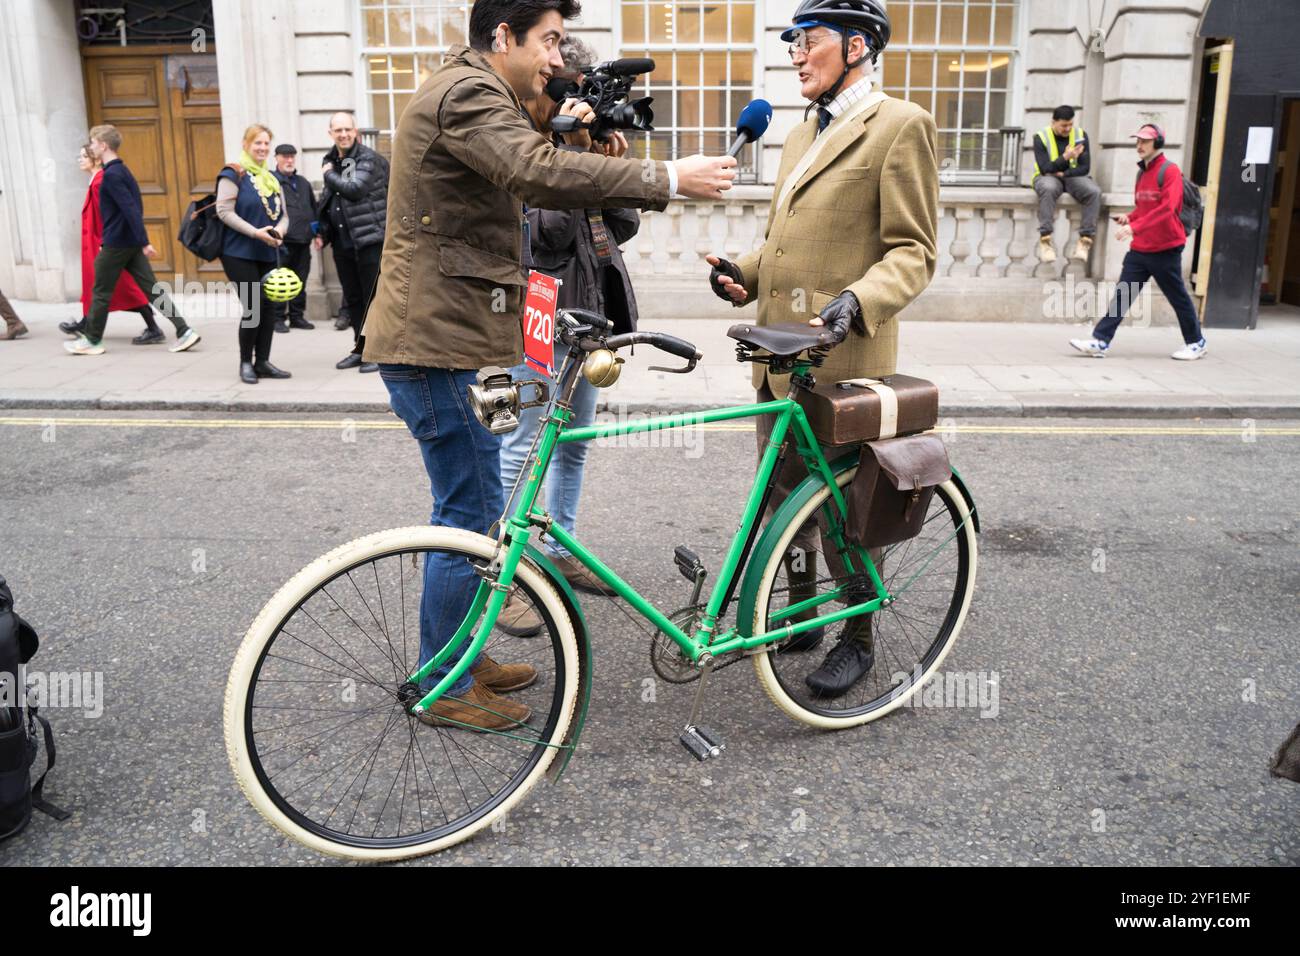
891	492
18	726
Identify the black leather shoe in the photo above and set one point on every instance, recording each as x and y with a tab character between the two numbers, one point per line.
342	322
349	361
246	373
281	325
73	328
844	666
267	370
298	322
369	367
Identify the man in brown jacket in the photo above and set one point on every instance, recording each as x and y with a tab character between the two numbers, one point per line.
451	286
850	240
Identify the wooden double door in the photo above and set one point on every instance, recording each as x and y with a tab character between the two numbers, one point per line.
166	102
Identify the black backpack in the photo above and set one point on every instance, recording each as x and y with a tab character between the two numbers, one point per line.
202	233
1193	212
18	726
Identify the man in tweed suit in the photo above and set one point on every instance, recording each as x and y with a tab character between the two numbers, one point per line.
850	241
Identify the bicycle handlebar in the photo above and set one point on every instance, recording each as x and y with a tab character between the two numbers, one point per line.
576	322
662	341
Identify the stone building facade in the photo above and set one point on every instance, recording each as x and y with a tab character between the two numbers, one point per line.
979	65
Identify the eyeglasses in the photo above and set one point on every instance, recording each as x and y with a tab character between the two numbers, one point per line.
801	43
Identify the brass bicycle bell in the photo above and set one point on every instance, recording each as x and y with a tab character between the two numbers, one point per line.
602	368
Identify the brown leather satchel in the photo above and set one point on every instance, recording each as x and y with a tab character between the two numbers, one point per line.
891	492
864	409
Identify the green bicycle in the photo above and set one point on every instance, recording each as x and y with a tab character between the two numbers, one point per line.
322	699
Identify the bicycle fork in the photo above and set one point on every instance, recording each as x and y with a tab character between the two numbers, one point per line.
489	599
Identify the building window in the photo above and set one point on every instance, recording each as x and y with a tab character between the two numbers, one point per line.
956	58
402	44
706	69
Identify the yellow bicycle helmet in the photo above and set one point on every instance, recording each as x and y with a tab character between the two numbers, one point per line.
281	285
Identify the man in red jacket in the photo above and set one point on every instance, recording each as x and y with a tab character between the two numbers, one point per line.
1157	250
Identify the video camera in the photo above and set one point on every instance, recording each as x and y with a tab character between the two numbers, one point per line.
606	88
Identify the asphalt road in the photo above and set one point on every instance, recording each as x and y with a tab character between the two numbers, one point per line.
1136	606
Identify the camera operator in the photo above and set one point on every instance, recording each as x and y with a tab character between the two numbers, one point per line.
451	284
581	248
851	234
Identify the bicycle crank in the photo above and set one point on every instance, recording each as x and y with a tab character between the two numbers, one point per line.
701	742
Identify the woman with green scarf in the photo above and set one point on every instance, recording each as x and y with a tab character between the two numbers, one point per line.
251	206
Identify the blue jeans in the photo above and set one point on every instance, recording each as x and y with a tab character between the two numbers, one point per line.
564	478
1166	268
463	460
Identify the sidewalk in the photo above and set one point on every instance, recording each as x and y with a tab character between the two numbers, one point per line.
982	369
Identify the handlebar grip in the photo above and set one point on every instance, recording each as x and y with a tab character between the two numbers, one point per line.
591	318
673	345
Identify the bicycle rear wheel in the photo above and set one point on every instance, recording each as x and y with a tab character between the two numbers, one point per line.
932	578
317	710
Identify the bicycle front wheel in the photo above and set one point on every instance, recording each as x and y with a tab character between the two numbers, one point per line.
317	711
931	577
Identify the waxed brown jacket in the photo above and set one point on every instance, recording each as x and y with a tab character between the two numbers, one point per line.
465	159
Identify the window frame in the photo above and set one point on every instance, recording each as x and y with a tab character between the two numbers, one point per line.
361	79
1014	91
751	175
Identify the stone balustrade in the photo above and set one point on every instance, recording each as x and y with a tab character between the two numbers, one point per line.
988	267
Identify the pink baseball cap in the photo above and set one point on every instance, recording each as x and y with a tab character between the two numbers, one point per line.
1148	131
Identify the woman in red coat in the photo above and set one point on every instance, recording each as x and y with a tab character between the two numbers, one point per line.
127	297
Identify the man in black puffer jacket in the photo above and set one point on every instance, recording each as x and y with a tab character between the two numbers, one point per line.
352	212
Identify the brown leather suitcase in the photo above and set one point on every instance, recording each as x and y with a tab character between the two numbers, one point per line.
891	492
864	409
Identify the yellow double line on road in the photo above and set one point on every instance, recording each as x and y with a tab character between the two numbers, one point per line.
1235	430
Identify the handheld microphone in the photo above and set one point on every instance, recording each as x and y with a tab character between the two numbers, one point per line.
751	126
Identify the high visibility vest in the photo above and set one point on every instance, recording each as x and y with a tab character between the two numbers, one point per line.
1048	139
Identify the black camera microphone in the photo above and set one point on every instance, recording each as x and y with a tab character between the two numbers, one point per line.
631	67
561	88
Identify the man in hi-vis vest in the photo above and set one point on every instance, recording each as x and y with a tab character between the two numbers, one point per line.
1062	160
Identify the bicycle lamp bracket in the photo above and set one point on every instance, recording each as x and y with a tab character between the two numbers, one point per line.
496	399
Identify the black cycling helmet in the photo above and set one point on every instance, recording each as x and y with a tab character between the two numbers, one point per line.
865	17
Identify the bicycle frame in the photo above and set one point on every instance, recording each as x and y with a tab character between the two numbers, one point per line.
704	645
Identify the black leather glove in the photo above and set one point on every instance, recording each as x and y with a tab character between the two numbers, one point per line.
842	313
732	271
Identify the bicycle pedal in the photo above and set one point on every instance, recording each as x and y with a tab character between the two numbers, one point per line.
689	563
702	743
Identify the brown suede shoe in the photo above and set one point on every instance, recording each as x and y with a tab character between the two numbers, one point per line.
14	328
478	709
518	617
580	578
502	678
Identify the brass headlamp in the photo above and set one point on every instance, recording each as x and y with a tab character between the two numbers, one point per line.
496	401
